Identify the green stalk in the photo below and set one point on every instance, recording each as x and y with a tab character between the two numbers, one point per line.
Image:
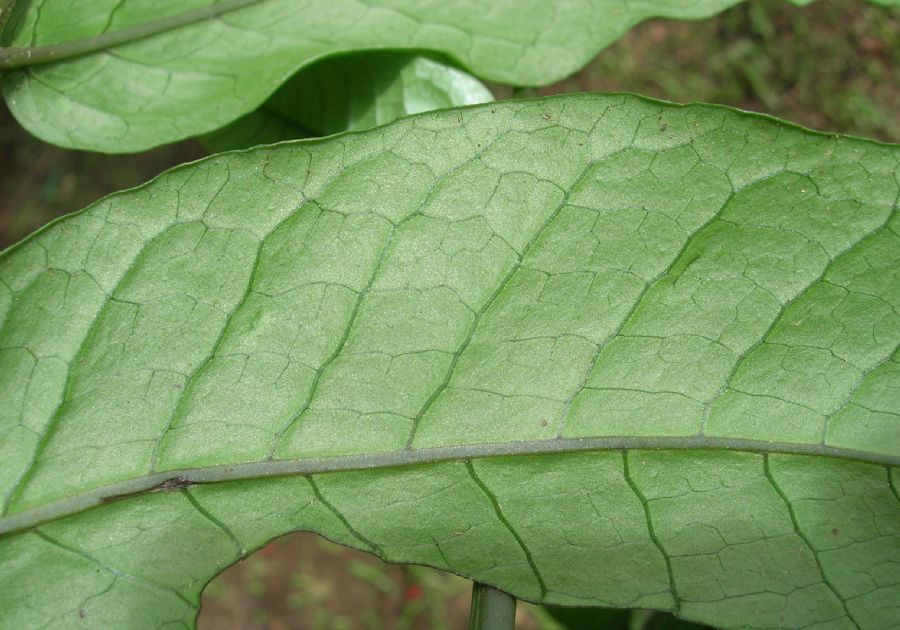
492	609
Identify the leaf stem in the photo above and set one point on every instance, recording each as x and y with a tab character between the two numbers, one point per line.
11	58
492	609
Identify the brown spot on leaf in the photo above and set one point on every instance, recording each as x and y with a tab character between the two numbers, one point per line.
176	483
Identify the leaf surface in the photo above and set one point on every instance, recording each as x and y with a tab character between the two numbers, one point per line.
593	350
153	74
353	92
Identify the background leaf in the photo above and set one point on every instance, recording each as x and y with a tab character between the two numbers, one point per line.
593	350
196	78
350	93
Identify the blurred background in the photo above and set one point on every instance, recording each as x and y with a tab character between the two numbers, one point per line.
832	66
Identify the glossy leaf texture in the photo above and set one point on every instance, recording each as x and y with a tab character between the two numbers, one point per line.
158	73
592	350
351	93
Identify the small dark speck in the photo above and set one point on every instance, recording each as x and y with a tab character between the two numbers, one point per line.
177	385
663	125
544	422
81	613
546	116
834	531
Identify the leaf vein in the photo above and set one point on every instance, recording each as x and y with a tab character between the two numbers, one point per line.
473	327
343	519
496	506
743	357
796	525
651	530
214	520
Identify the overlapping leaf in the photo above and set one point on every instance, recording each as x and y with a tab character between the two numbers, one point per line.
351	93
156	73
592	350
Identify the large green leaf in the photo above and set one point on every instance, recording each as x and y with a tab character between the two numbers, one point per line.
162	71
351	93
592	350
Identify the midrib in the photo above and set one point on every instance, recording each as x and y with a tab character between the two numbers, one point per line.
11	58
177	478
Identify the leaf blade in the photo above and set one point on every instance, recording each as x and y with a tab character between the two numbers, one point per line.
197	78
348	94
329	292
